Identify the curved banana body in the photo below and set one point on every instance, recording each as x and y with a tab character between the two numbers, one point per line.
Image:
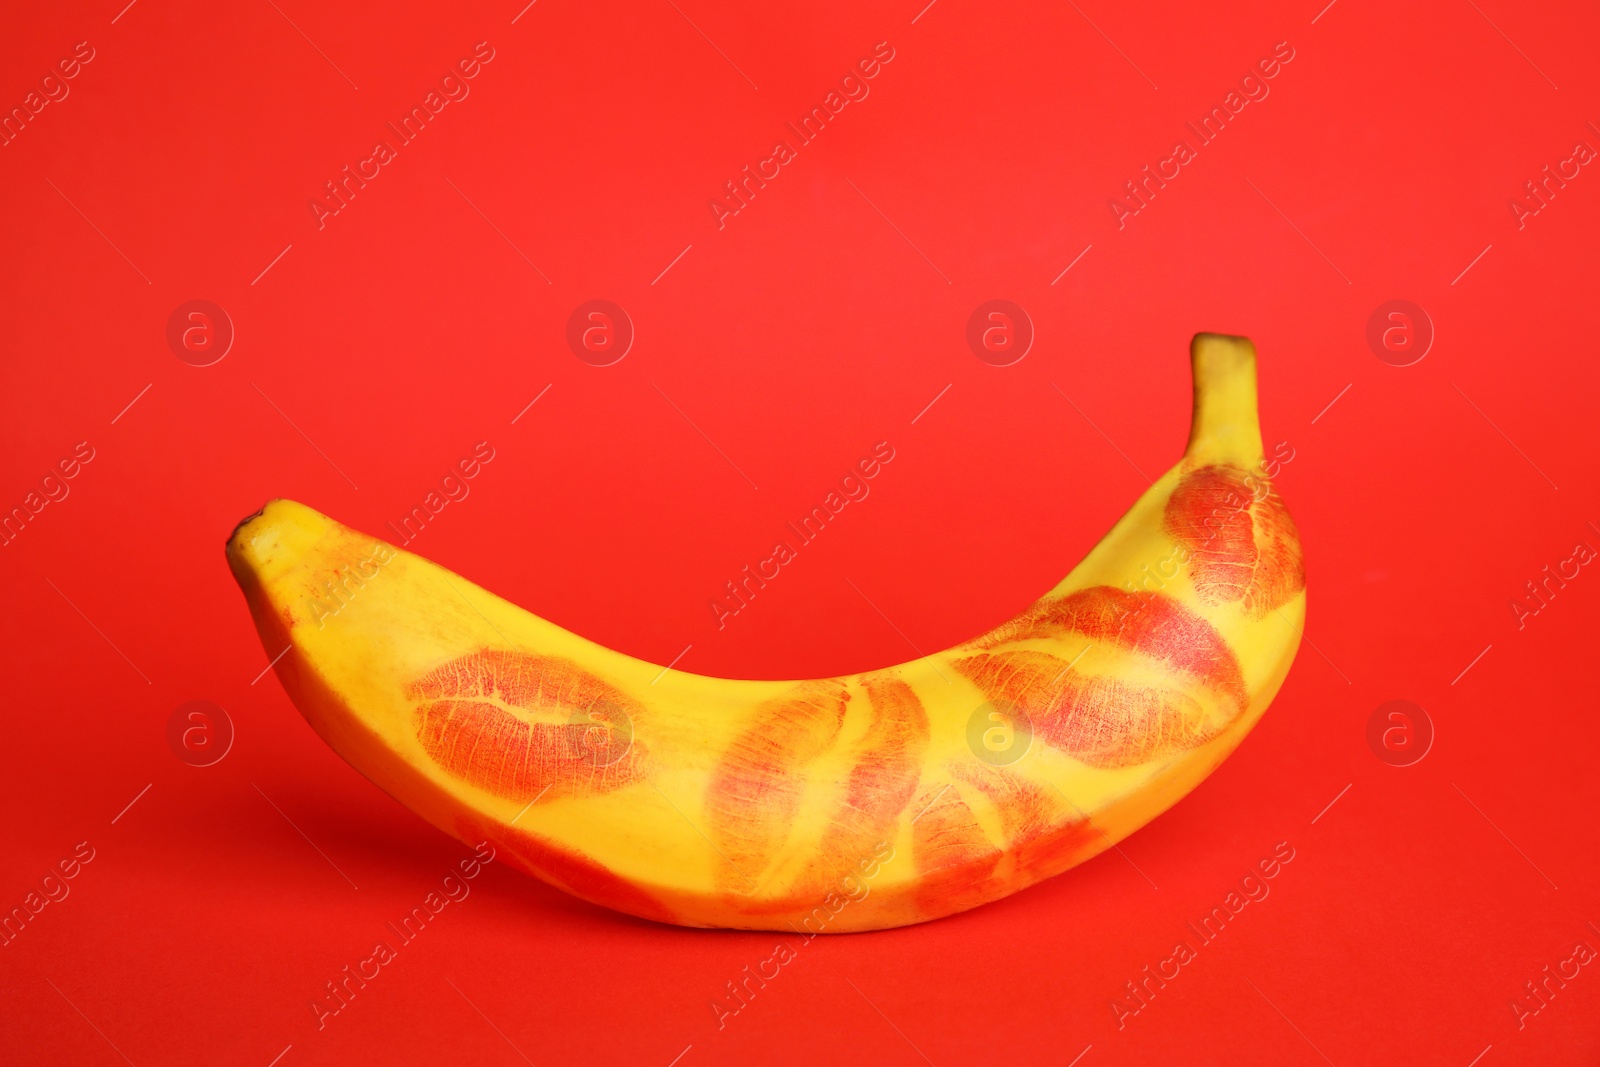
829	805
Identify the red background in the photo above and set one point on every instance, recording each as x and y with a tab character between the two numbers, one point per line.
412	327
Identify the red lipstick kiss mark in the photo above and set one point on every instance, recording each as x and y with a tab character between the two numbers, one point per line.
757	786
953	856
885	775
1045	834
1026	808
517	725
888	762
1156	625
1242	549
1107	722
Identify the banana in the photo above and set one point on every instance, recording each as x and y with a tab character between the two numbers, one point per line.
826	805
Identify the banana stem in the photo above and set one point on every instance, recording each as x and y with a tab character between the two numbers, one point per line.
1226	428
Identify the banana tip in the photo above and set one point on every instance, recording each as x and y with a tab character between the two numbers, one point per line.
246	521
282	531
1218	357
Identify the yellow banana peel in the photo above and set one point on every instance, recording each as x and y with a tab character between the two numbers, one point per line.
822	805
